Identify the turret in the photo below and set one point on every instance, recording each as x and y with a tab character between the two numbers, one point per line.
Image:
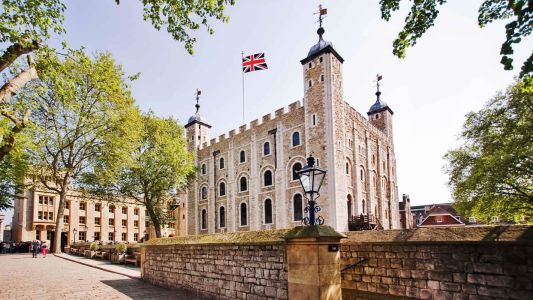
197	129
380	114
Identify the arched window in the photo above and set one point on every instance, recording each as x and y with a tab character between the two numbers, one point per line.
222	189
268	211
204	192
296	139
295	168
222	216
244	215
221	163
364	206
203	221
362	175
347	168
267	178
266	148
204	169
243	184
349	205
297	207
242	156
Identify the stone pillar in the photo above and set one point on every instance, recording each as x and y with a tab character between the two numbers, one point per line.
313	258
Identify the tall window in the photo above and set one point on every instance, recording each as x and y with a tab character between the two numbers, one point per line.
204	169
266	148
97	235
221	163
222	216
268	211
297	206
111	209
295	168
65	219
363	205
81	220
242	156
244	215
243	184
111	236
97	207
96	221
222	189
125	210
124	238
82	205
204	219
81	235
362	175
347	168
296	139
204	192
267	178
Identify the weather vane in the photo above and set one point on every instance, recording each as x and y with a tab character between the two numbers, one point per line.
321	13
378	79
198	93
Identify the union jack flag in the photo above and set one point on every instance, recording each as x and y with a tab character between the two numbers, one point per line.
254	62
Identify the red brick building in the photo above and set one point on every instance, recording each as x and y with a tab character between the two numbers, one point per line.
441	216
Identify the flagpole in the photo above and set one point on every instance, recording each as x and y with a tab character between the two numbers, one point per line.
242	71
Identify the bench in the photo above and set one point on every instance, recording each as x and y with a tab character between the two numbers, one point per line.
99	254
133	258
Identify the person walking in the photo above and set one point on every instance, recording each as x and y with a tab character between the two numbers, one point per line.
34	246
44	248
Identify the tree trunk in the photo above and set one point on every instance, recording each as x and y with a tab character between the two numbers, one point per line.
59	220
153	217
14	51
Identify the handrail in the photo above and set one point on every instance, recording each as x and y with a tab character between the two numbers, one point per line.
351	266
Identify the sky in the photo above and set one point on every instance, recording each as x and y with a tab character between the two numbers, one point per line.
452	70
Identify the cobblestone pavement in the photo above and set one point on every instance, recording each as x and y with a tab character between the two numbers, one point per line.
24	277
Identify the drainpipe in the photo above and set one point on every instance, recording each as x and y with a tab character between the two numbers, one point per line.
215	153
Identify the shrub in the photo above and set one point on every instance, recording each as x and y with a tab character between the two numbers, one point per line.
94	246
121	248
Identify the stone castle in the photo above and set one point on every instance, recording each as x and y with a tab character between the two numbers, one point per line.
247	177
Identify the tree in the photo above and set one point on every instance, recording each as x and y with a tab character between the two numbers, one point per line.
25	26
491	174
424	12
161	168
85	119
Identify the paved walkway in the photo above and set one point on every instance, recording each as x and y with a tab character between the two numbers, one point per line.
24	277
105	265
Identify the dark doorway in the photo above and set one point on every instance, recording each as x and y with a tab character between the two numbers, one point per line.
52	235
63	241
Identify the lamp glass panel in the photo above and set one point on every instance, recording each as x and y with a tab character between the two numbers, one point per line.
318	178
306	182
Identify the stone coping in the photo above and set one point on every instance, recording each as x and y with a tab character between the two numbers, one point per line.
469	234
314	231
270	237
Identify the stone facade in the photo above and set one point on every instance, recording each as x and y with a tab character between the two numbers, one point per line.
35	214
357	152
221	271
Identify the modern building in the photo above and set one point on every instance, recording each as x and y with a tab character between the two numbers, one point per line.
247	178
84	219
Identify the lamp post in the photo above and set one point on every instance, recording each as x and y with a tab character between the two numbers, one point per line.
75	231
311	179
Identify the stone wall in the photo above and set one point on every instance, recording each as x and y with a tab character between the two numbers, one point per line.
446	269
221	271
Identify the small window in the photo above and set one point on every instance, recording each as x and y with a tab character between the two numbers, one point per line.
82	235
322	78
347	169
313	119
97	207
124	223
242	156
124	210
222	217
296	139
96	235
204	169
310	65
124	238
362	175
321	59
65	219
203	221
295	169
51	216
266	148
221	163
136	223
111	209
243	184
67	205
268	211
244	215
363	204
111	236
81	220
136	211
310	83
111	222
438	219
222	189
318	162
96	221
82	205
297	207
135	237
267	178
204	192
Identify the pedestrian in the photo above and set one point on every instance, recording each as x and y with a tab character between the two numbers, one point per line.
33	246
44	248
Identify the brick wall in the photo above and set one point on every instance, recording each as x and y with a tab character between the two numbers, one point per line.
439	270
224	271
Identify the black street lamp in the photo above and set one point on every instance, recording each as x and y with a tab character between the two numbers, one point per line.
311	179
75	231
